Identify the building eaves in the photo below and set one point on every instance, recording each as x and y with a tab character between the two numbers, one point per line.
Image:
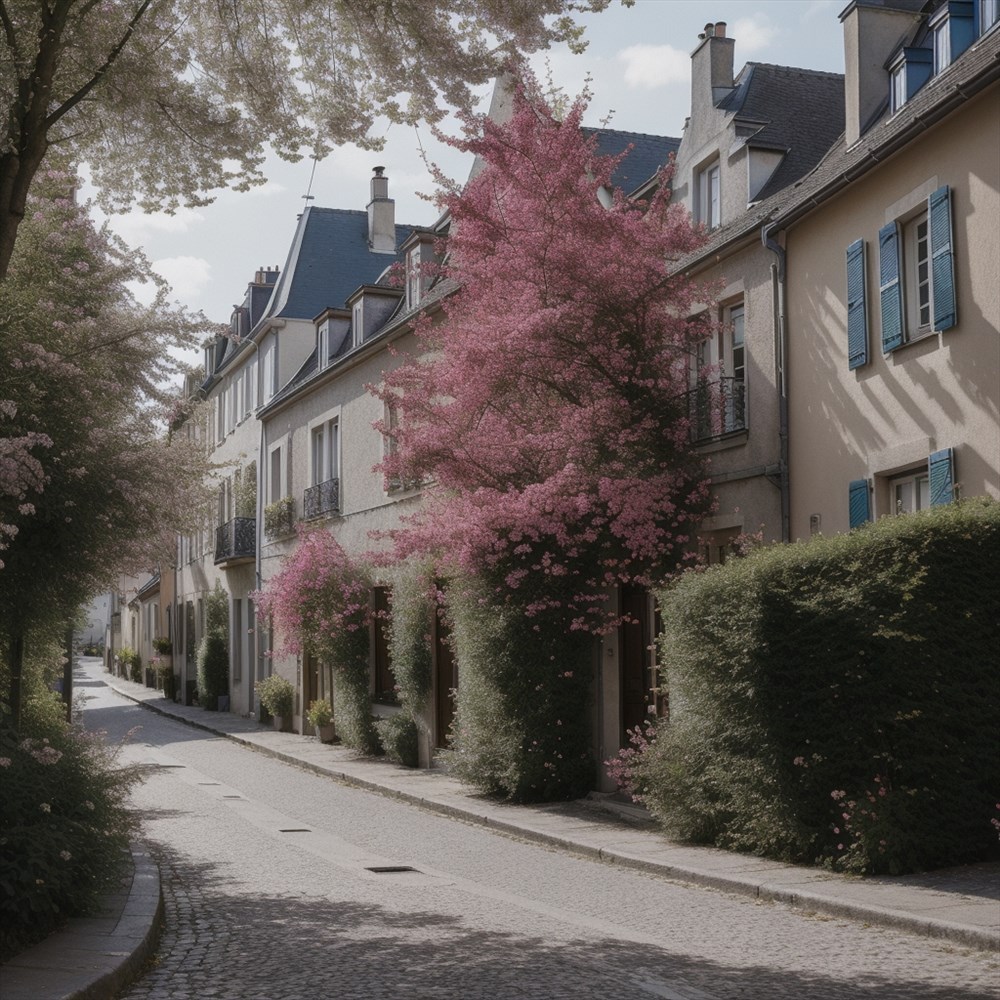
150	587
976	69
648	154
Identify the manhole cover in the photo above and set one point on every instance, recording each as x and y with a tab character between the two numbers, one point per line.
391	869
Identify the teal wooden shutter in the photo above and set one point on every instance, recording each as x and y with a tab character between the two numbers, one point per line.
942	259
941	473
857	316
859	503
890	289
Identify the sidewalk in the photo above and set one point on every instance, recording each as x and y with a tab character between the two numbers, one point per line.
959	904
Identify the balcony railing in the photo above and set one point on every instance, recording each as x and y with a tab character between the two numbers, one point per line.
718	407
322	499
236	540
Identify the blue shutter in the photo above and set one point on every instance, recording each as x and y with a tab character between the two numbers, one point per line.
859	503
941	473
857	316
942	259
890	289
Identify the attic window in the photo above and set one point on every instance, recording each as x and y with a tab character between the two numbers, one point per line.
357	317
709	208
413	277
323	346
908	72
989	14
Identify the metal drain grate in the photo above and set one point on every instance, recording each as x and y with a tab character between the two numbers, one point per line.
209	782
391	869
295	829
232	796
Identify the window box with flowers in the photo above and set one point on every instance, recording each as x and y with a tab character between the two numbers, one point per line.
279	518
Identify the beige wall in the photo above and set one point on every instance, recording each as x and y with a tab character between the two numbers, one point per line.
942	391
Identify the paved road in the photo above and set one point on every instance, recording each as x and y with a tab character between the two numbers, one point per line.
270	894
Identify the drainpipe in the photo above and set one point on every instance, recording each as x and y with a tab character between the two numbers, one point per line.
778	296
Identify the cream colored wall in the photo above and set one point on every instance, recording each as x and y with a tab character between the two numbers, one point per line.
939	392
746	500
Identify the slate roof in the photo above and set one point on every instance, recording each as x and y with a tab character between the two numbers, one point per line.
328	259
974	70
648	154
799	111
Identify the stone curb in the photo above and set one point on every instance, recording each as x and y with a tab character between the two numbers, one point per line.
809	901
87	960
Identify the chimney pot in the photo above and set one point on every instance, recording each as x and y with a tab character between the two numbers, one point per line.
709	30
720	29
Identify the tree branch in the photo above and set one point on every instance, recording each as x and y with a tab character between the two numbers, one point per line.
8	31
71	102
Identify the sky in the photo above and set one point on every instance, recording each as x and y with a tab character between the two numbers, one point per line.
638	60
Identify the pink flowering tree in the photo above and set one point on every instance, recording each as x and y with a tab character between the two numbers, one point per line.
89	488
550	406
548	415
320	604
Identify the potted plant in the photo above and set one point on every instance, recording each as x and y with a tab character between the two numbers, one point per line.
320	716
278	696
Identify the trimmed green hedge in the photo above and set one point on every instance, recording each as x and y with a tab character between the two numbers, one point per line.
836	700
522	722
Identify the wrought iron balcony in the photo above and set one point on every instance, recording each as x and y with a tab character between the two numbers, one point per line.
320	500
718	407
236	540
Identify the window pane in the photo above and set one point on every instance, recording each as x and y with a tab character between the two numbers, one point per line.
923	492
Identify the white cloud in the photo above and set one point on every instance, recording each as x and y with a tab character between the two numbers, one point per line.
753	33
136	227
648	66
188	276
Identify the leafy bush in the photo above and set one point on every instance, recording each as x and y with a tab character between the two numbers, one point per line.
164	647
168	680
213	670
413	607
276	695
64	826
522	725
837	700
130	664
319	712
279	517
398	736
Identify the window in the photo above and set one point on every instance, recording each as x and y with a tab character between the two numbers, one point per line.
275	491
323	346
249	374
719	394
269	372
357	316
942	46
413	277
709	207
988	12
910	493
325	452
916	273
897	85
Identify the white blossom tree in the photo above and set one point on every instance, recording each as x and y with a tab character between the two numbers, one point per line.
169	100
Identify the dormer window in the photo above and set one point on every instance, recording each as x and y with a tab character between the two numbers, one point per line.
953	31
323	346
988	12
413	277
357	321
908	72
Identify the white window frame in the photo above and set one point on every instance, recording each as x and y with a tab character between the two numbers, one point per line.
709	194
276	460
323	345
413	277
910	492
897	87
915	272
942	45
269	371
357	322
324	451
989	14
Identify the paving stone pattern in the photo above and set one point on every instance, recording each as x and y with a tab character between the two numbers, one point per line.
252	912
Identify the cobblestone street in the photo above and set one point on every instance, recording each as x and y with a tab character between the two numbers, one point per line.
269	894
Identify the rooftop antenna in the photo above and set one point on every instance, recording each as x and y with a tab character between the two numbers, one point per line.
308	196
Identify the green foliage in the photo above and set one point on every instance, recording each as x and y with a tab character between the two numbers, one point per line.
279	517
319	712
64	826
522	727
246	491
213	670
398	737
131	664
213	652
163	646
352	693
276	695
837	700
168	680
413	608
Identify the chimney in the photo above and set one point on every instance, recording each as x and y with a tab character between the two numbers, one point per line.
873	30
711	68
381	215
